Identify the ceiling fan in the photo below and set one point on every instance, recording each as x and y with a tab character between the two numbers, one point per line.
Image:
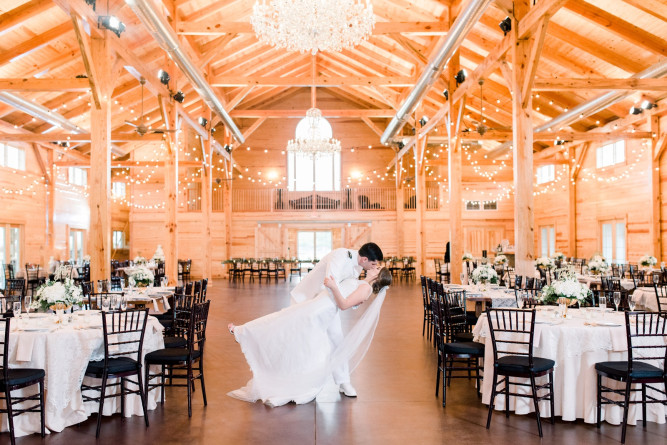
142	129
479	125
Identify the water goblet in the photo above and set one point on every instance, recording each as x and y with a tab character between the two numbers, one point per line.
105	304
602	304
631	304
114	302
123	304
27	300
519	300
17	309
164	281
463	276
617	299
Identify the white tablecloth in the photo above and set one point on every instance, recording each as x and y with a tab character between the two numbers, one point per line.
64	354
157	295
646	298
575	347
588	280
500	297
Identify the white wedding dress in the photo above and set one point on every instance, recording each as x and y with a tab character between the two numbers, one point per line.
290	354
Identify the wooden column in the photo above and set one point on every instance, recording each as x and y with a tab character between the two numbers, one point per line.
400	209
170	246
50	205
206	206
227	197
524	236
655	213
420	198
572	206
99	178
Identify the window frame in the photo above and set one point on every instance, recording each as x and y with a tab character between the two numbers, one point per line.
5	150
550	176
292	162
610	149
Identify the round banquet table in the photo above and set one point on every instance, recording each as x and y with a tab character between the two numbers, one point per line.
646	298
64	351
575	344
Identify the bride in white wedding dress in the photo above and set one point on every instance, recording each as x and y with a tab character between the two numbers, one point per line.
289	352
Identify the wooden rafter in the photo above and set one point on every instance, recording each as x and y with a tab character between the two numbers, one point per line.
32	84
215	27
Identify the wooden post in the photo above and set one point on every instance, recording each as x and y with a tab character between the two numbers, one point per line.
170	246
227	189
572	207
524	236
420	198
99	179
655	218
50	205
400	208
206	206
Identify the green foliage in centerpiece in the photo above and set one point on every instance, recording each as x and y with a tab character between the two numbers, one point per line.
51	293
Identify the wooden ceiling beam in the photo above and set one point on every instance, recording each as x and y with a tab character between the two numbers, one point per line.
17	16
494	135
302	113
560	84
34	43
215	28
72	138
32	84
307	81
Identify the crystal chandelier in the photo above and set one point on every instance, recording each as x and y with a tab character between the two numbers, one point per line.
313	136
313	25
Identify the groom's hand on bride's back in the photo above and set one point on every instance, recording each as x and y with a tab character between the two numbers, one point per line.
330	282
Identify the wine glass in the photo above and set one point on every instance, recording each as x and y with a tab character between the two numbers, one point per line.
519	300
602	304
114	302
463	276
17	309
27	300
123	304
617	299
631	304
105	304
164	281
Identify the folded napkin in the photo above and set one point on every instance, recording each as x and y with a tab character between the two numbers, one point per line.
165	303
155	305
24	347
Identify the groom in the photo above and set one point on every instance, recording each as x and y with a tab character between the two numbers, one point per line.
342	264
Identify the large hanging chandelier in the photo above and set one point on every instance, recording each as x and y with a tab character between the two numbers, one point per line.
314	136
313	25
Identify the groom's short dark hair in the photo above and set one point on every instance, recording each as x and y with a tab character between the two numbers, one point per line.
371	251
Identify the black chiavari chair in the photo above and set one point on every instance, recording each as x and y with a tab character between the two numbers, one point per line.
427	319
647	349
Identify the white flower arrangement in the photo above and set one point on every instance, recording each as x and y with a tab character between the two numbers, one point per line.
598	265
53	293
566	287
86	258
63	271
484	274
598	257
500	259
139	260
545	262
648	261
467	256
558	256
159	254
141	277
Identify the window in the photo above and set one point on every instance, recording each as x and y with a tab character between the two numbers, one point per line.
76	245
547	241
313	245
306	174
546	173
118	239
614	241
611	154
481	205
118	189
10	248
78	176
12	157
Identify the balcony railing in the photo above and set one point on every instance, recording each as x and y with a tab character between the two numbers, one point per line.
283	200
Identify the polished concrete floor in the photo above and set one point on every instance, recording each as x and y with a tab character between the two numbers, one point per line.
396	403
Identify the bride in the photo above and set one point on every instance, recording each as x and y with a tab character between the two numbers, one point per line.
289	352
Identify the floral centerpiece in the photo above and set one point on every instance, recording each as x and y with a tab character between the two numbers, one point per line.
648	261
566	287
558	256
138	260
141	277
86	259
63	271
544	262
467	256
57	295
159	254
500	259
484	274
598	265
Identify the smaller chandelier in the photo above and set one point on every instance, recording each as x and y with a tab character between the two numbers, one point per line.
313	25
313	136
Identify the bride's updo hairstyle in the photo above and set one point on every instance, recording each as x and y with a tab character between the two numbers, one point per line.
383	279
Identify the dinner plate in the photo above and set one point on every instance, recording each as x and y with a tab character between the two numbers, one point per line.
39	315
34	329
88	312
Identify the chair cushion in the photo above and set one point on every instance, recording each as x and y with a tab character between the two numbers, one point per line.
21	376
170	356
175	342
519	364
463	347
463	336
640	370
116	366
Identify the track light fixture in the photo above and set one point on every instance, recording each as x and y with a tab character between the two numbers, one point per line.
446	94
636	110
92	3
111	23
647	104
164	77
202	121
179	97
423	121
506	25
559	142
460	77
401	145
228	148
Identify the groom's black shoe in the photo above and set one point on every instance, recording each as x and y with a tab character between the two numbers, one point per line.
347	389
